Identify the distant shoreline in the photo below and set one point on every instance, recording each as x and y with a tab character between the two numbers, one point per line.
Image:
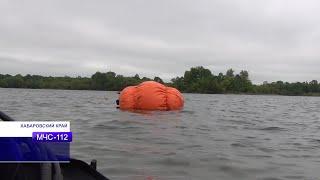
197	80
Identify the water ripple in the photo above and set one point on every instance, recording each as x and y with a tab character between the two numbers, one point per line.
214	137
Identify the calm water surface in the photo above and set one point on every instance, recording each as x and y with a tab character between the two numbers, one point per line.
214	137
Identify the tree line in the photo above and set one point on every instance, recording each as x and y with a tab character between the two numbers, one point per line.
196	80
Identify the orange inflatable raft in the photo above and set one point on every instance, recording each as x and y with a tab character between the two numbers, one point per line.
150	95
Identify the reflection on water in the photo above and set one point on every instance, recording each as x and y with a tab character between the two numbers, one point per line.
214	137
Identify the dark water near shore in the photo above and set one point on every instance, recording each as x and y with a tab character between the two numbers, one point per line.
214	137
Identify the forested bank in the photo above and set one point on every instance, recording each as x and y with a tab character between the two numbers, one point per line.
195	80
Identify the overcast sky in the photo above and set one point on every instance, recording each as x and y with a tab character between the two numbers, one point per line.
272	39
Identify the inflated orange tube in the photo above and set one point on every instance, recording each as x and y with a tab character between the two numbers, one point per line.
150	95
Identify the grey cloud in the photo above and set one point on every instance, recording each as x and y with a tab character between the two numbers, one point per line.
274	40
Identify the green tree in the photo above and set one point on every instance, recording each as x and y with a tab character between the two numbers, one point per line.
229	73
159	80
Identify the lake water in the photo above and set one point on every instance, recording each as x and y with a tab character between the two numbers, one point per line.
213	137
